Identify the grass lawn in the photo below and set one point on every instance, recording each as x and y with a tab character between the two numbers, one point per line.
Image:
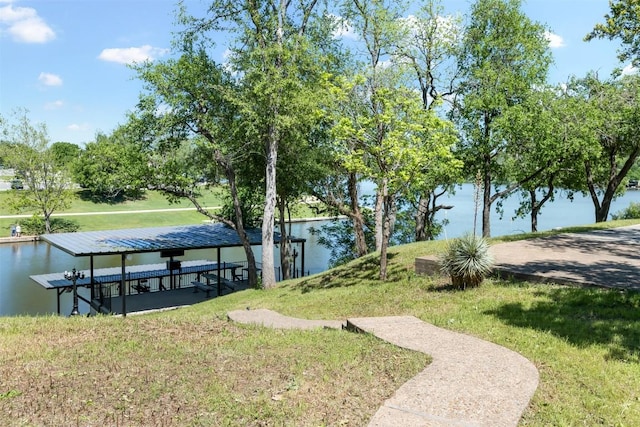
153	200
193	367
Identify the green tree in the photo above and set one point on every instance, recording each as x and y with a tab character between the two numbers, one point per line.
47	186
385	134
277	63
547	147
429	43
622	23
612	124
505	55
65	154
111	168
188	123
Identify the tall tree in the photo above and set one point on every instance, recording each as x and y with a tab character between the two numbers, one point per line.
612	120
429	43
548	145
505	55
187	123
65	154
275	60
47	186
386	134
622	23
111	168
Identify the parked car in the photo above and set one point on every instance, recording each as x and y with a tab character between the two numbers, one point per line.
16	184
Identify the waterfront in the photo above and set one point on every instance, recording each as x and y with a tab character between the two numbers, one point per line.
19	295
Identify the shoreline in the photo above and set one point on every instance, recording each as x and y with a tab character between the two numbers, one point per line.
27	239
21	239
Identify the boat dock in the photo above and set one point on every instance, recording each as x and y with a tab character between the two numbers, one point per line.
150	286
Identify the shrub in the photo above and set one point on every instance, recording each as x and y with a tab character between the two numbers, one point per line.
467	261
35	225
630	212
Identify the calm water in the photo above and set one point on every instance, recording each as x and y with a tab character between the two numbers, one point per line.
20	295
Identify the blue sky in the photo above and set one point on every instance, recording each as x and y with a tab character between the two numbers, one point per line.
65	60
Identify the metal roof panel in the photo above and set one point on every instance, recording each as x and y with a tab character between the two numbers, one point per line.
153	239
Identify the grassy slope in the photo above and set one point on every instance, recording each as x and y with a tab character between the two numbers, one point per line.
192	367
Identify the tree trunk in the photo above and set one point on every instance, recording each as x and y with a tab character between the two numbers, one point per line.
420	233
387	231
602	212
534	211
379	215
356	217
239	224
486	200
268	265
426	215
537	206
285	253
47	222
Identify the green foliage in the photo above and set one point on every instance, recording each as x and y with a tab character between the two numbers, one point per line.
65	154
505	56
467	260
609	121
251	203
36	226
630	212
47	187
112	168
622	23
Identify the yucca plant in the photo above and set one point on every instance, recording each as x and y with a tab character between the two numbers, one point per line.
467	261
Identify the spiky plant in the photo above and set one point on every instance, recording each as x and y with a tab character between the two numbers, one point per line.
467	261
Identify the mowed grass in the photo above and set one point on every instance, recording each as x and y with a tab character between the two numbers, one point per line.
150	200
193	367
131	214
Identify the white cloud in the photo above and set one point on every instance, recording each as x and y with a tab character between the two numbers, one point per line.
49	79
75	127
227	56
55	105
343	29
555	41
24	25
629	69
131	55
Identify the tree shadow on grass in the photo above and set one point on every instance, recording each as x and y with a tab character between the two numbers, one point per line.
365	269
583	317
89	196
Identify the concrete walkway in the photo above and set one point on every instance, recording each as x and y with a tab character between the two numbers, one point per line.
604	258
470	382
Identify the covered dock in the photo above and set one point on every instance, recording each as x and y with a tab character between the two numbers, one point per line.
111	289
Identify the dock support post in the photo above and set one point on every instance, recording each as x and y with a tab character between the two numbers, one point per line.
123	287
218	274
302	261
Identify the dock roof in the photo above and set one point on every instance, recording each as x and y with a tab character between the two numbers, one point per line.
154	239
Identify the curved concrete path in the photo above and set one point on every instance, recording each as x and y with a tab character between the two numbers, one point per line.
470	382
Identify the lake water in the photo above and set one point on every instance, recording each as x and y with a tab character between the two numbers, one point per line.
19	295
